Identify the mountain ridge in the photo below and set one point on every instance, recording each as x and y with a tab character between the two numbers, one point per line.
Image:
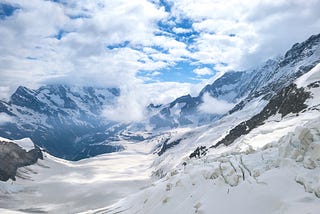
240	87
66	120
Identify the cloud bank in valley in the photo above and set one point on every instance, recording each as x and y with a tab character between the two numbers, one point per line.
212	105
5	118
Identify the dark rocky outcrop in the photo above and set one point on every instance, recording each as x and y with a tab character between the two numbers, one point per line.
13	156
199	152
289	100
166	145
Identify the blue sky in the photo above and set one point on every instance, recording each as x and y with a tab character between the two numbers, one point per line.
160	49
181	71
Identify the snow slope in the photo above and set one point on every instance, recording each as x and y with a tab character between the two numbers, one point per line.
25	143
279	177
275	168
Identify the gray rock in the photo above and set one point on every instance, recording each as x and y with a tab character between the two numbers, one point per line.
13	156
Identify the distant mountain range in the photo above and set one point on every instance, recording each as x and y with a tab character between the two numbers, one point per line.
67	122
64	120
265	150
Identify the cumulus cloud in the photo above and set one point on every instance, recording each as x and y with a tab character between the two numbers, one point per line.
47	41
4	118
108	42
131	105
212	105
203	71
242	34
4	92
127	109
179	30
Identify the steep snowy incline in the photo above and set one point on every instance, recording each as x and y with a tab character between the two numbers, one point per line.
273	168
280	177
58	186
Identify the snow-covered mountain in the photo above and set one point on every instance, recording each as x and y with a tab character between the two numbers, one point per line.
67	121
241	87
272	167
263	156
64	120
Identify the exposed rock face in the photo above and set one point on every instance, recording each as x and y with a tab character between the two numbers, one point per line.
199	152
289	100
224	87
166	145
300	50
13	156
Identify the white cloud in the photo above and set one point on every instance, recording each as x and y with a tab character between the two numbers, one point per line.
127	109
4	118
237	33
155	73
30	55
4	92
165	92
212	105
180	30
242	34
131	105
203	71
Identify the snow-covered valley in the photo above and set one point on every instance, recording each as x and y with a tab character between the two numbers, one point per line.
58	186
275	169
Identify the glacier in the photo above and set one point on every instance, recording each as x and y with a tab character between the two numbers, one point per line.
270	165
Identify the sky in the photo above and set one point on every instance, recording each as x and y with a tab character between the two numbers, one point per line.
155	49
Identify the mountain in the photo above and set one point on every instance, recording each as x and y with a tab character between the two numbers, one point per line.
250	161
240	87
263	156
67	120
64	120
275	166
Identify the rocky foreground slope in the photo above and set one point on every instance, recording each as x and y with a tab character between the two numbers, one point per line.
13	156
